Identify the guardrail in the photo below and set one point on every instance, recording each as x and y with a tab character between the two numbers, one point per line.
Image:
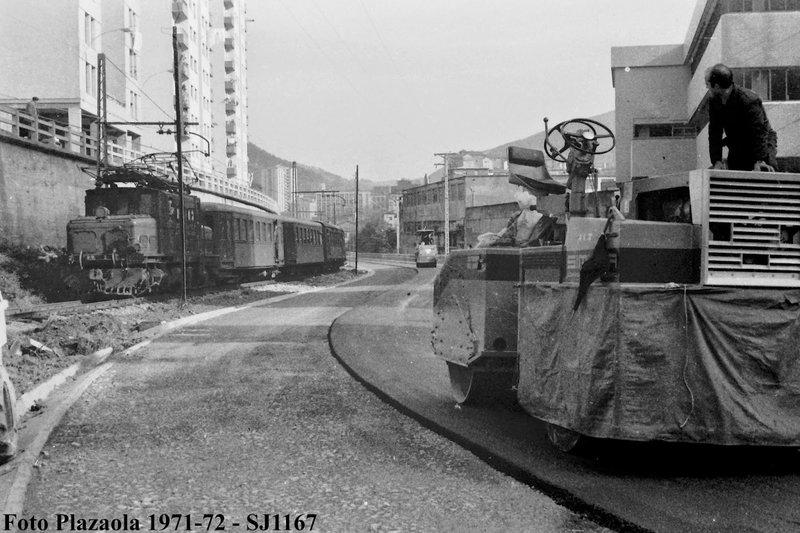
35	131
46	133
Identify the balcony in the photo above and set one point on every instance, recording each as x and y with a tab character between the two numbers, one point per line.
230	106
230	149
180	10
227	3
183	70
231	86
230	44
230	127
228	21
231	172
230	65
183	40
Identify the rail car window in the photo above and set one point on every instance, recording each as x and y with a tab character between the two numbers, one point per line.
251	233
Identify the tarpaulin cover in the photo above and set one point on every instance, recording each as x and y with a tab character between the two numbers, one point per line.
698	364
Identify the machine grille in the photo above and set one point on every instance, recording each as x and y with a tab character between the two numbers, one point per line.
754	230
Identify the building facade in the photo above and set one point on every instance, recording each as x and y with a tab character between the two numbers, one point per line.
53	50
280	186
422	207
661	100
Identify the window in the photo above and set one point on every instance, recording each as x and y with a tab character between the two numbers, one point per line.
134	104
771	84
89	29
90	76
650	131
739	6
133	63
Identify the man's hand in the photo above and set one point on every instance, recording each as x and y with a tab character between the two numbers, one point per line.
719	165
762	166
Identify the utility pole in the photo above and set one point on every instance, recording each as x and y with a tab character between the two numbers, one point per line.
294	189
102	114
397	200
178	141
356	269
446	157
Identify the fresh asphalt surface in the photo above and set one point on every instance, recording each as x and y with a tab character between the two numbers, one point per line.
156	434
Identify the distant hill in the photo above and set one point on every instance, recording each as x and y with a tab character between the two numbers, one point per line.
308	177
537	141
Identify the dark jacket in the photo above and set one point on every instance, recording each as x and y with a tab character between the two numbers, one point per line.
749	136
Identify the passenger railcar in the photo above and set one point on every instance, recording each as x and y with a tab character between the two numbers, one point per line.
247	242
303	244
335	253
129	240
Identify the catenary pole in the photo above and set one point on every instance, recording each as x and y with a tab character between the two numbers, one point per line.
178	135
356	269
446	196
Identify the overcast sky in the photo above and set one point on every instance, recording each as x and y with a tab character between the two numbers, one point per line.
384	84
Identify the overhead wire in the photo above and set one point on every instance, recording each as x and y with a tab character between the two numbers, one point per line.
122	71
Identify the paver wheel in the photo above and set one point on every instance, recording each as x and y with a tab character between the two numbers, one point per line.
564	439
471	386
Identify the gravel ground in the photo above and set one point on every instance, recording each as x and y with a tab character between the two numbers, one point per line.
67	340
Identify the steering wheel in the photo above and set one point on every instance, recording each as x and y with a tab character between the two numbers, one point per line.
577	140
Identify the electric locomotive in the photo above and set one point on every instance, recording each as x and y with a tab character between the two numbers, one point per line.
129	241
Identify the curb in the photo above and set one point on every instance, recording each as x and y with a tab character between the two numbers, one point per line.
496	461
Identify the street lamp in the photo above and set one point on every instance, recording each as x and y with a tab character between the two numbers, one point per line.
122	29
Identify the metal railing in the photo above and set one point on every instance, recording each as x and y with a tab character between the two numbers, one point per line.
37	131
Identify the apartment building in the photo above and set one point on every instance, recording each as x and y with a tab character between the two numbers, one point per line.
52	50
661	100
211	37
280	185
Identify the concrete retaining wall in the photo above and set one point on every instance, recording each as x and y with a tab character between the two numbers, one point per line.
40	191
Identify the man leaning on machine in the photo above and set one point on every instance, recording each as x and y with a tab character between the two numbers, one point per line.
738	112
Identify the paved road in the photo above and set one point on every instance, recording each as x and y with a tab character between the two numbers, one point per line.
657	487
250	414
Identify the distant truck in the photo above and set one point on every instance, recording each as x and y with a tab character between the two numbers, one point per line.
426	250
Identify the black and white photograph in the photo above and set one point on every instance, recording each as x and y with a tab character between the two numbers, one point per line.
378	266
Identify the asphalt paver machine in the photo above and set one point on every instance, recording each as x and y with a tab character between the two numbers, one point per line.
667	310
